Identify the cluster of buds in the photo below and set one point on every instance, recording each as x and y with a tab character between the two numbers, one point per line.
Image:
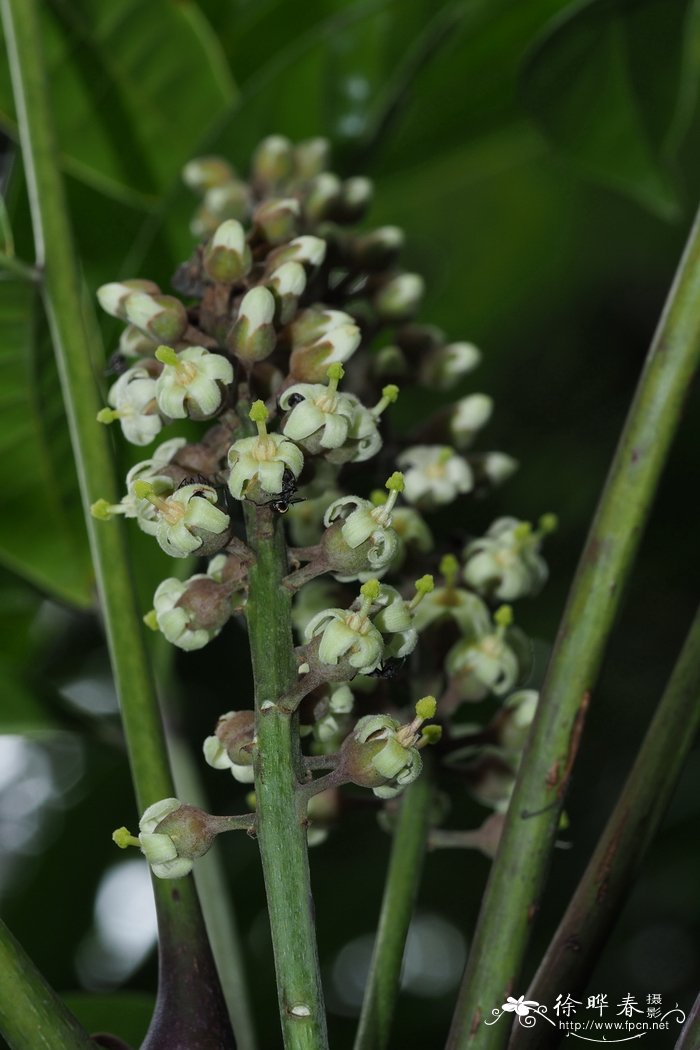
290	334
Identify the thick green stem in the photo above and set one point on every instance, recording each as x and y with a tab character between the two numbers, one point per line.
179	915
281	823
400	892
32	1017
597	902
519	870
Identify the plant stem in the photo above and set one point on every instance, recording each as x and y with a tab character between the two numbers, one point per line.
400	892
281	823
519	870
32	1017
17	268
597	901
179	915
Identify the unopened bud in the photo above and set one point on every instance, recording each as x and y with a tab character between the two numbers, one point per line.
278	219
355	198
380	248
253	336
444	366
227	256
400	298
288	283
307	250
202	173
323	195
273	160
311	157
112	297
162	317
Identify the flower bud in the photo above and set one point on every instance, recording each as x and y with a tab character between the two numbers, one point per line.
202	173
161	317
278	219
227	256
444	366
252	337
231	747
307	250
112	297
171	837
133	343
310	363
354	200
192	612
229	201
311	157
323	193
382	754
515	719
273	161
400	297
287	282
379	249
495	467
468	416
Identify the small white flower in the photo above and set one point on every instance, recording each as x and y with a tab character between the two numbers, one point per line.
186	518
216	756
133	403
445	366
368	522
484	665
318	411
130	505
349	634
158	847
506	562
517	715
175	620
192	382
468	416
435	475
262	459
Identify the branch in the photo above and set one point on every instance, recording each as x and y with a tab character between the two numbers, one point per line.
281	818
597	901
519	870
178	1017
400	892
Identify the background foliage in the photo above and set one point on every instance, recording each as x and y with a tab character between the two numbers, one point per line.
543	159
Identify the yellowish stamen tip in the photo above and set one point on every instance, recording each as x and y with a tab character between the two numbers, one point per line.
425	585
123	838
151	621
523	530
378	497
101	509
258	412
430	735
370	590
167	356
250	800
395	483
426	707
503	616
390	393
143	489
107	415
548	523
445	455
449	567
564	821
335	372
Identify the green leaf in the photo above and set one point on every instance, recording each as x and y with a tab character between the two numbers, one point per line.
603	85
134	87
42	533
126	1014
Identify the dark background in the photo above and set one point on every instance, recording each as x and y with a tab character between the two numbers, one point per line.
543	159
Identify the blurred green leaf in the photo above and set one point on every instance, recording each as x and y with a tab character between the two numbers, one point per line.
126	1014
134	87
603	84
21	709
42	534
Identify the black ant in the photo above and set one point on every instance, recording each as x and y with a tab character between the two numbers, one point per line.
283	500
389	669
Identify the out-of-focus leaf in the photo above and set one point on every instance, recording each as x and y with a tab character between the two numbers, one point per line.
134	86
42	533
21	710
603	85
126	1014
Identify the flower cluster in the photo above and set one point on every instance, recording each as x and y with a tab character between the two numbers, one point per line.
294	337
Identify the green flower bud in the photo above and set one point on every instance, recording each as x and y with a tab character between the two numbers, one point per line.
494	467
133	343
192	612
202	173
278	219
355	198
112	297
311	157
379	249
310	363
193	382
323	193
444	366
227	258
253	337
161	317
171	837
400	297
287	282
382	754
228	201
231	747
273	161
307	250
